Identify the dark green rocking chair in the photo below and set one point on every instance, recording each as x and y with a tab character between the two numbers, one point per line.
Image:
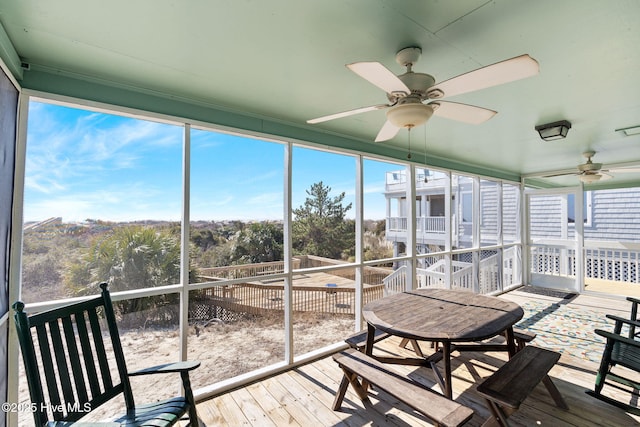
74	363
622	351
634	316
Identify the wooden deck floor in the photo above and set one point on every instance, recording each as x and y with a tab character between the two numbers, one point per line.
303	396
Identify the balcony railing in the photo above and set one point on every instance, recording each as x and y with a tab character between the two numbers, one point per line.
424	224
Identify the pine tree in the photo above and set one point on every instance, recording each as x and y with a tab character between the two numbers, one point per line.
320	227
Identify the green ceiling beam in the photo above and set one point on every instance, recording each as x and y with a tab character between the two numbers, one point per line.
9	55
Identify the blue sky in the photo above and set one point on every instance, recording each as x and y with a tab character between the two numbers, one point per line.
88	165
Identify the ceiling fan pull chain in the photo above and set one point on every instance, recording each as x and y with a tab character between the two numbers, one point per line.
409	155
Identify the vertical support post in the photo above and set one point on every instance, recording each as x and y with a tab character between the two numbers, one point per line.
359	243
475	233
448	229
184	242
564	234
499	238
522	229
411	227
15	255
579	237
288	253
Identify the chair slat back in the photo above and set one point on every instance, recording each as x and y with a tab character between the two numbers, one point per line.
73	359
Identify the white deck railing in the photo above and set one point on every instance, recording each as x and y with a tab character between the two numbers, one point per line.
434	276
615	261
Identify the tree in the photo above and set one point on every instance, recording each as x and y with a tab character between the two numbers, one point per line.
319	227
132	257
259	242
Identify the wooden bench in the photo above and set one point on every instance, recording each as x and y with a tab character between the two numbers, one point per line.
522	337
436	407
359	341
512	383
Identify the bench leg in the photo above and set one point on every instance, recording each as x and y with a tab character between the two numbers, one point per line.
349	378
368	349
554	392
498	416
519	342
511	342
416	347
342	389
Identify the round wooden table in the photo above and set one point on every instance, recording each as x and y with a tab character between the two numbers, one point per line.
444	316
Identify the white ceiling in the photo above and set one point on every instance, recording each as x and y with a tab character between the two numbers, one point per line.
284	60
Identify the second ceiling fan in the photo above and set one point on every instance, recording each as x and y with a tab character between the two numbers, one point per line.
590	172
407	91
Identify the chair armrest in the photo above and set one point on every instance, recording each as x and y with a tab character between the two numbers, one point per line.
616	337
82	424
633	300
168	368
617	319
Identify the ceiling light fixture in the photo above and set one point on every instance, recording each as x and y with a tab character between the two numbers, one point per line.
590	178
409	115
634	130
553	131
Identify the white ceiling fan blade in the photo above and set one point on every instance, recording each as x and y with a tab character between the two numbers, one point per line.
348	113
622	170
388	131
379	75
560	174
506	71
462	112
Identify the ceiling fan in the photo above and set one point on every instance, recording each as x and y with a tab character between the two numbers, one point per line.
590	172
406	92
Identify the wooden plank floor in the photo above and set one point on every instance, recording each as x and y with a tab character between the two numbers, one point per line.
304	396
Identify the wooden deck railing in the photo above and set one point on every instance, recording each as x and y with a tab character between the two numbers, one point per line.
260	299
245	270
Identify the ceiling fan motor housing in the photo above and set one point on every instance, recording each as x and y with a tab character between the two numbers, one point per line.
418	83
590	167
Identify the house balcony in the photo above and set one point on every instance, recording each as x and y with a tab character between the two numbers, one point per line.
304	395
430	230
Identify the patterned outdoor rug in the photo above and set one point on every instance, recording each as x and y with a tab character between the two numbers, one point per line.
566	330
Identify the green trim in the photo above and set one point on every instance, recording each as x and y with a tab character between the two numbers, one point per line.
9	54
605	185
91	89
613	184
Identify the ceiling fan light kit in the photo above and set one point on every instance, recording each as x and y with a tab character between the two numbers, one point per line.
409	115
407	92
590	177
554	131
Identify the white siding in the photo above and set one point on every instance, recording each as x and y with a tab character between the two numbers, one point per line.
615	215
